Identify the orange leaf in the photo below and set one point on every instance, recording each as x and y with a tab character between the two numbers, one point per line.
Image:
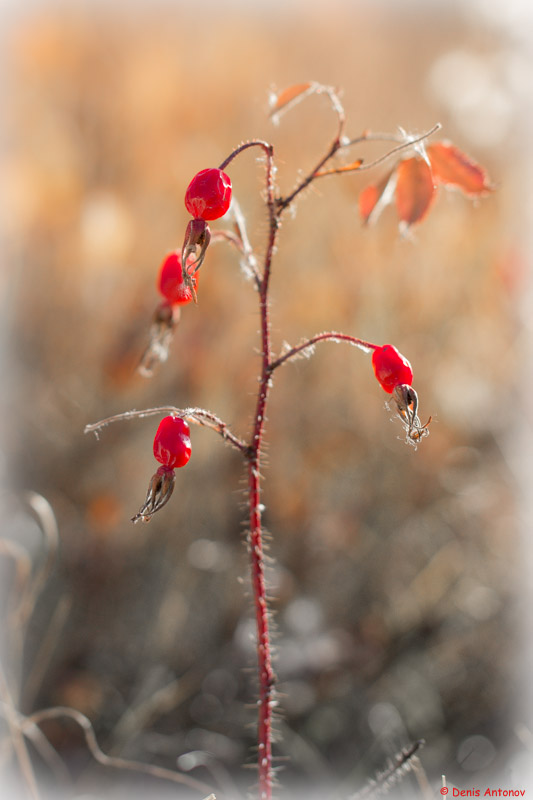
375	197
292	95
454	168
414	190
367	201
336	170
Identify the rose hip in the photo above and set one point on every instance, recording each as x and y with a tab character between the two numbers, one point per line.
208	195
172	442
170	281
391	368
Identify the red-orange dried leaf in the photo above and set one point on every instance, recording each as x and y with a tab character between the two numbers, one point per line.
336	170
454	168
375	197
414	190
367	201
291	95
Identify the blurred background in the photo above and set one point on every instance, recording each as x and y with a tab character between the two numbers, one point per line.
398	577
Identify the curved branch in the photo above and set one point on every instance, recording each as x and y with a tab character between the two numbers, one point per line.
197	415
47	522
98	754
244	146
401	138
330	336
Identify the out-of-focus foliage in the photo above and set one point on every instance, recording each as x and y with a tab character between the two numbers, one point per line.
393	570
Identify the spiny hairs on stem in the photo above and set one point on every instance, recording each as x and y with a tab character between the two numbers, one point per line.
402	763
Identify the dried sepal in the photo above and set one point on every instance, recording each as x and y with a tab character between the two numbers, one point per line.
197	237
159	493
406	400
164	323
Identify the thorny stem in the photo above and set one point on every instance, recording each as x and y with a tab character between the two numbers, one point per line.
264	656
276	207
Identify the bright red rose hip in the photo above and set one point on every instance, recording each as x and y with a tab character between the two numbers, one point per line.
391	368
208	195
172	442
170	281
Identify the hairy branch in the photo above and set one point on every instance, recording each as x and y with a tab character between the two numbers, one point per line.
199	416
330	336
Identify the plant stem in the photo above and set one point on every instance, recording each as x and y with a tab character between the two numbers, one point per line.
264	655
330	336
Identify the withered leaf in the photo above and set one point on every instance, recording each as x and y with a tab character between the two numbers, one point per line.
414	190
375	197
452	167
291	96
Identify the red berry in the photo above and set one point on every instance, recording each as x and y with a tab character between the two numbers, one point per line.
172	442
391	368
209	194
170	281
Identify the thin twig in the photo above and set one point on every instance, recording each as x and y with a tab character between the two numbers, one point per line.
247	250
47	647
284	202
359	166
38	717
196	415
244	146
17	739
401	764
330	336
42	510
401	138
402	146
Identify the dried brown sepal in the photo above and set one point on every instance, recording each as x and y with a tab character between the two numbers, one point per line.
164	323
159	493
407	406
197	236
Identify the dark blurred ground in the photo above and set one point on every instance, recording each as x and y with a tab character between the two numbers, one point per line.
395	573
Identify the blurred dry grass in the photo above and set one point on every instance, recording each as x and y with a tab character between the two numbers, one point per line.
393	571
